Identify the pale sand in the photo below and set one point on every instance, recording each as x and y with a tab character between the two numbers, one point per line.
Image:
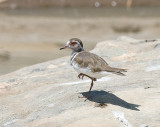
28	37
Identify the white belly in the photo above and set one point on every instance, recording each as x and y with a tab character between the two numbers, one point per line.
88	71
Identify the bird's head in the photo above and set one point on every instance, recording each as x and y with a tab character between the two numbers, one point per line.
74	44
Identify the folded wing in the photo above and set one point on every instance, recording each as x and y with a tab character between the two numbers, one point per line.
96	63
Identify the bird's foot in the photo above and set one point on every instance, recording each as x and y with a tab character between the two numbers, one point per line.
88	95
84	97
80	76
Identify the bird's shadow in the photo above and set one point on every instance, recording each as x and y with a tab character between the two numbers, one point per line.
103	97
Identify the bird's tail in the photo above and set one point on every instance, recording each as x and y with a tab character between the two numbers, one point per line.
119	71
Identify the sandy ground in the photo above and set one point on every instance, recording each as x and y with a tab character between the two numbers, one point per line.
32	36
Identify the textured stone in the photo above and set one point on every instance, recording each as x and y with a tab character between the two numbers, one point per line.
46	94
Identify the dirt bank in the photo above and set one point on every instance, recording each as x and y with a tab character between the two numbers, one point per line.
75	3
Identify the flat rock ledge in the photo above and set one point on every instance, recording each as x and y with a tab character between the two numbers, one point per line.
46	94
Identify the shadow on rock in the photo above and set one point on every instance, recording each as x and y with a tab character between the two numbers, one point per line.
103	97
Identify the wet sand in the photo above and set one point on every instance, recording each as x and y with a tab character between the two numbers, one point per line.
32	36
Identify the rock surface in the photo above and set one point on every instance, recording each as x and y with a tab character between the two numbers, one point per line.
46	94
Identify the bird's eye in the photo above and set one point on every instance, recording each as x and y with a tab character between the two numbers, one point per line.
73	43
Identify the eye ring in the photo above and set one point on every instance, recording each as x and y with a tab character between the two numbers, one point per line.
73	43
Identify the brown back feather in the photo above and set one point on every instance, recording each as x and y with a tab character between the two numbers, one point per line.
96	63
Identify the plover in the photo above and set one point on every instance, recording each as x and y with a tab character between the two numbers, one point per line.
89	64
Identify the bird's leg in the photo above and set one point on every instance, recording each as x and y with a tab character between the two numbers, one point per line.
92	79
82	75
89	91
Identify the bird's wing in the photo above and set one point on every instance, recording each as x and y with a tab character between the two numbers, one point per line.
96	63
92	61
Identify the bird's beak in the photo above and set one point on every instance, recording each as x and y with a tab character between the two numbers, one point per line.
64	47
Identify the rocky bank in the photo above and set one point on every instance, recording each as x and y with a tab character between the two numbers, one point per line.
46	94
